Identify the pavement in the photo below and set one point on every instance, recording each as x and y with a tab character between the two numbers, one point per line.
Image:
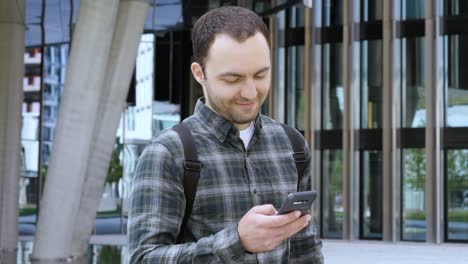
370	252
339	251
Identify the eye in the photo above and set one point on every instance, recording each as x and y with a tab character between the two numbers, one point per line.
260	76
231	79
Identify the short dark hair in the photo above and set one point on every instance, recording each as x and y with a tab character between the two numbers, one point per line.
237	22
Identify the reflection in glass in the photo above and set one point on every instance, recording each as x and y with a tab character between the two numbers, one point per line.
414	204
413	99
332	12
371	207
296	98
372	10
296	17
280	71
371	84
108	254
456	8
332	194
333	94
456	112
457	194
413	9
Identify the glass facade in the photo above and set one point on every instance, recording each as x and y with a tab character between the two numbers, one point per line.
368	51
456	121
371	195
413	198
352	197
332	194
331	117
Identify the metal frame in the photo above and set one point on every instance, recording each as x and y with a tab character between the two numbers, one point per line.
392	138
389	178
434	190
350	179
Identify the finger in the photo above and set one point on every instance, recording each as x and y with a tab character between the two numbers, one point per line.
282	220
266	209
294	227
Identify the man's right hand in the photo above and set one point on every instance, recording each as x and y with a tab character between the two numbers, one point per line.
261	229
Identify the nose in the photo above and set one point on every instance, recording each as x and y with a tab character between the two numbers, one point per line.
249	90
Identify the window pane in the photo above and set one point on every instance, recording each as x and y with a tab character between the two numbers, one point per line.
413	99
456	7
456	114
280	61
332	194
457	194
333	12
296	98
296	17
371	84
371	207
372	10
333	100
413	194
413	9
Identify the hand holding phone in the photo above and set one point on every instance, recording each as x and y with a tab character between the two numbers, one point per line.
301	201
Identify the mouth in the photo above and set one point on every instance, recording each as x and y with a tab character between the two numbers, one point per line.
246	104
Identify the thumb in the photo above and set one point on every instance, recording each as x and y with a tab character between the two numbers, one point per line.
266	209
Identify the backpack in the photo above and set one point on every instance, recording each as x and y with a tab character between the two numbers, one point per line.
192	165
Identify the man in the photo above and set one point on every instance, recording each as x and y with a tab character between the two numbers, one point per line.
247	163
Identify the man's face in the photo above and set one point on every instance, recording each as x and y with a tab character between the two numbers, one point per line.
237	77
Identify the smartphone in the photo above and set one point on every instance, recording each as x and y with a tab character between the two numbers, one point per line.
301	201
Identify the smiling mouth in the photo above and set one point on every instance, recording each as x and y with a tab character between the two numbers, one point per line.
246	104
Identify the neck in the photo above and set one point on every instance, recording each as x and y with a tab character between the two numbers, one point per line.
242	126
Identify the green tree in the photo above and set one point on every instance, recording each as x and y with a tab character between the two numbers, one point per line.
109	255
457	166
115	168
415	169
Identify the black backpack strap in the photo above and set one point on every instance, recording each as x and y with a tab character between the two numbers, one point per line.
192	168
297	144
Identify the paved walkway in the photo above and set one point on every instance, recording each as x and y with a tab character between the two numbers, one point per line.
369	252
355	252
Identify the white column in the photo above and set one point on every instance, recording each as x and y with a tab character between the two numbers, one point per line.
74	134
11	98
129	27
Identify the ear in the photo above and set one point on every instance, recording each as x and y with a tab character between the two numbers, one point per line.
197	72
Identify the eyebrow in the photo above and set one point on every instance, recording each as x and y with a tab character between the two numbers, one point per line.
233	74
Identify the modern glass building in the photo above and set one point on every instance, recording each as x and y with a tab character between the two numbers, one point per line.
379	88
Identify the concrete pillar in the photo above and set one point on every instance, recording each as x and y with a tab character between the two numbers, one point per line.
129	27
74	134
11	98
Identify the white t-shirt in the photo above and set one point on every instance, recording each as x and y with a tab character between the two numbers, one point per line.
246	134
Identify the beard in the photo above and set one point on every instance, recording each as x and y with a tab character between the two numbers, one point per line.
230	110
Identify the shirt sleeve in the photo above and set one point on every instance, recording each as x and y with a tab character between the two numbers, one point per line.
156	213
305	246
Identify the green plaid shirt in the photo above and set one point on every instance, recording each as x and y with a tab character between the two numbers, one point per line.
232	180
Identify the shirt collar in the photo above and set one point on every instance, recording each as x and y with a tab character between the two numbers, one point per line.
219	126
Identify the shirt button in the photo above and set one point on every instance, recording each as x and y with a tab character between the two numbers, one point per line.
254	191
